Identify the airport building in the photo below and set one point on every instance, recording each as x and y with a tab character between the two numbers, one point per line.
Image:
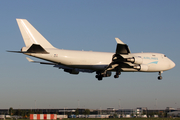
97	113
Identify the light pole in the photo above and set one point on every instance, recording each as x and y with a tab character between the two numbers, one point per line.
119	103
35	105
64	111
78	104
156	107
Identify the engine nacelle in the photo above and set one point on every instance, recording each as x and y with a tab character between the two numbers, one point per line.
135	60
141	67
71	71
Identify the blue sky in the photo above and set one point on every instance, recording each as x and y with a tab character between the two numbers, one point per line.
146	26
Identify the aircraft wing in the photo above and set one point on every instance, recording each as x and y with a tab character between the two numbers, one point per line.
66	68
118	61
121	48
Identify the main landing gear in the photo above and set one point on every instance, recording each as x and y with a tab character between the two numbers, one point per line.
160	77
99	76
117	74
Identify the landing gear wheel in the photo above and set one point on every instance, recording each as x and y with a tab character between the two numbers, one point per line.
99	77
116	76
159	77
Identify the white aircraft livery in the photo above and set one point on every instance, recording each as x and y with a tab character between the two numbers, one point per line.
102	63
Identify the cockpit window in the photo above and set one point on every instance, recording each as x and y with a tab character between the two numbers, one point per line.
164	55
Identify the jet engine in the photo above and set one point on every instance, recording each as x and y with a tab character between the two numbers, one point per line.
141	67
71	71
135	60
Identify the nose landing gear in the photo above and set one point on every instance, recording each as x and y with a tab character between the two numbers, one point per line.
160	77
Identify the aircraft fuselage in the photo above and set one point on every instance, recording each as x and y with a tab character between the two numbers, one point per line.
99	60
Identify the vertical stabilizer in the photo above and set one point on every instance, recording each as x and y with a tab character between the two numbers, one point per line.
31	35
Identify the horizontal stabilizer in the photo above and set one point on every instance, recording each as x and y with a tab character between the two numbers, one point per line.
15	51
47	63
35	48
30	60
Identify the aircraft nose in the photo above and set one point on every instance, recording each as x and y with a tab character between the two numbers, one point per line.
172	64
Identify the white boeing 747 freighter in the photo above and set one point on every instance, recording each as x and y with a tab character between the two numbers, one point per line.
102	63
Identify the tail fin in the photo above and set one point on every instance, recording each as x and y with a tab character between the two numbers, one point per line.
31	35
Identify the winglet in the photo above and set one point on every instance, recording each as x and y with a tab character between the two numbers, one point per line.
119	41
121	47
